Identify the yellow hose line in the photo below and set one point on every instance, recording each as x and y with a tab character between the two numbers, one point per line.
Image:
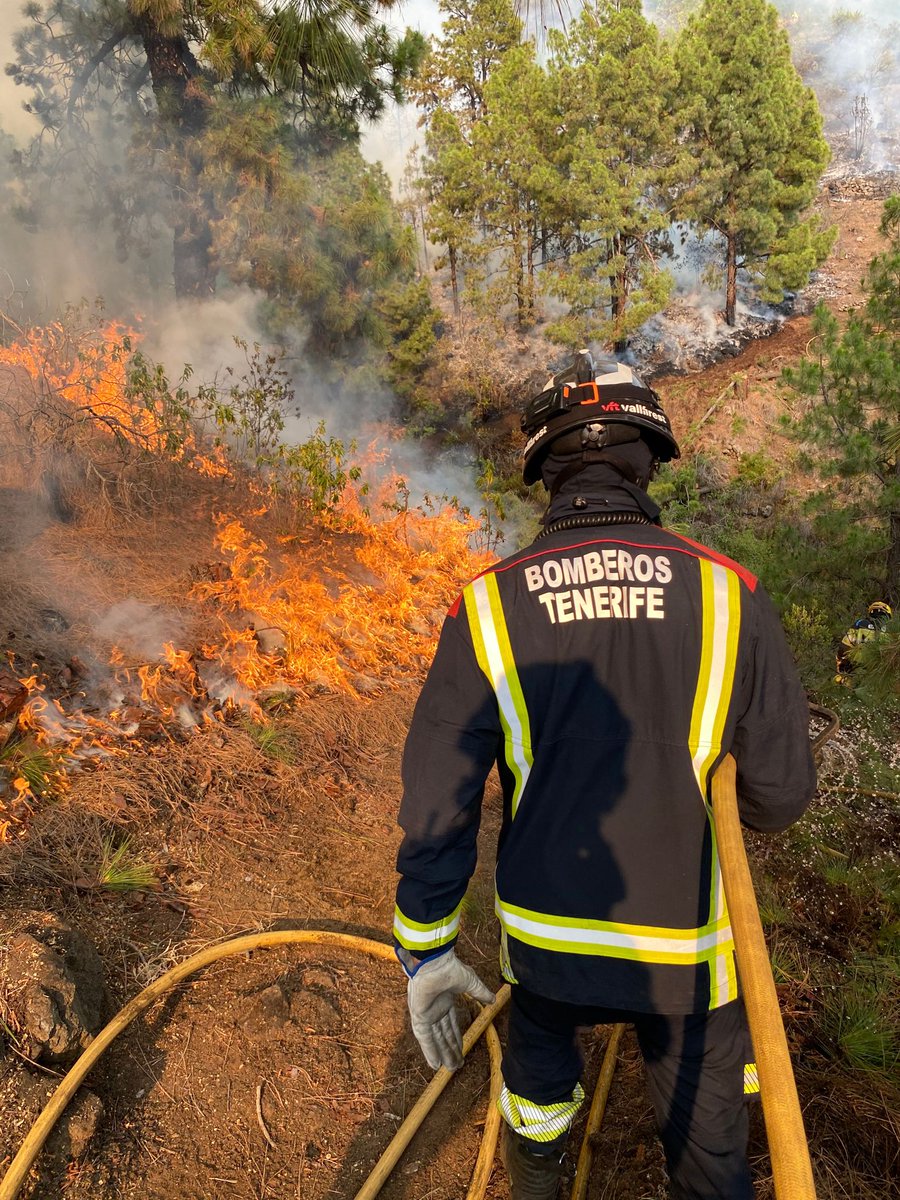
15	1176
595	1116
791	1166
425	1103
488	1149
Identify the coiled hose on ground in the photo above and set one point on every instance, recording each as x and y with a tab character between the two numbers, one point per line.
791	1166
17	1172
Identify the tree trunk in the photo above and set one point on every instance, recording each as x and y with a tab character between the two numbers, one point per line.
893	553
454	279
520	281
182	106
730	277
619	298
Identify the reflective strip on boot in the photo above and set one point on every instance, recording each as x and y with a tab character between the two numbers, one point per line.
751	1079
539	1122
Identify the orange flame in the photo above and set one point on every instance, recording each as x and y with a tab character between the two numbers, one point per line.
366	623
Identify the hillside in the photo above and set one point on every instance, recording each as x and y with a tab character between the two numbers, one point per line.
220	685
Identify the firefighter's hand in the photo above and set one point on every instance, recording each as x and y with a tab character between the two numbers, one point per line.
431	995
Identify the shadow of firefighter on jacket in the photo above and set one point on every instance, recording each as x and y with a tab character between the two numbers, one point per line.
607	863
865	629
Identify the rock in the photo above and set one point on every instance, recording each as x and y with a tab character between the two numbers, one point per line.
81	1122
312	1010
267	1010
55	990
53	620
271	640
12	695
25	1093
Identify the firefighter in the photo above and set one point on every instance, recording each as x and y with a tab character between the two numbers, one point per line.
607	668
872	625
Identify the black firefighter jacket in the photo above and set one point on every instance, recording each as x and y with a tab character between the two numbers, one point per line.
606	671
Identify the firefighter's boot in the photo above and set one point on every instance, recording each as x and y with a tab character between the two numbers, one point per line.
532	1176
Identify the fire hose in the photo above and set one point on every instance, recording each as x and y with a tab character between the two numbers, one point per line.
17	1172
789	1152
12	1182
788	1149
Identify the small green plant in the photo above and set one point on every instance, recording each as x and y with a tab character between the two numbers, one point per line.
121	871
39	767
772	909
275	703
249	412
858	1019
807	628
757	469
272	741
787	967
314	473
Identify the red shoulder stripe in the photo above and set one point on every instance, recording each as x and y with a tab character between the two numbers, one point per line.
748	577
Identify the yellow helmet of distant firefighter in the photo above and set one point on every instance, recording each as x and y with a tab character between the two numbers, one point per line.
880	608
870	626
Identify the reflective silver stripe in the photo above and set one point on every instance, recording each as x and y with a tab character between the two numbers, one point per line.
539	1122
720	673
642	943
413	936
498	664
721	599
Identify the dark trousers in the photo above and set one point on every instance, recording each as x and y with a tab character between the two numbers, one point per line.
695	1075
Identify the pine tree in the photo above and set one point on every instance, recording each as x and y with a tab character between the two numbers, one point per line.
474	37
756	133
512	175
448	178
450	89
318	234
613	82
165	69
851	420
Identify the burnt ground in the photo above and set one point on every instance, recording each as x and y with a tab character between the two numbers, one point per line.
284	1074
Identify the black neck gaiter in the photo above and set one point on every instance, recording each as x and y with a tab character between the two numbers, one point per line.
598	487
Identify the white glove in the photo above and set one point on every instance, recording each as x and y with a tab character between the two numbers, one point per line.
431	996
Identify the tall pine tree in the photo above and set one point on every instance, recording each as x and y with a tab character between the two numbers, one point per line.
756	133
613	82
511	149
450	89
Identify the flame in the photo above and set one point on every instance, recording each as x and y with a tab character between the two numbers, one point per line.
93	377
280	623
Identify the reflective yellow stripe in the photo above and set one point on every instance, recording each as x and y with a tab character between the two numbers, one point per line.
414	935
721	599
751	1079
718	655
539	1122
505	965
493	651
641	943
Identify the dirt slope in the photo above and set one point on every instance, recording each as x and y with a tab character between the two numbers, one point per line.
282	1075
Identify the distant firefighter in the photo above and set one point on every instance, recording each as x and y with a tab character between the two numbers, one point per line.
872	625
